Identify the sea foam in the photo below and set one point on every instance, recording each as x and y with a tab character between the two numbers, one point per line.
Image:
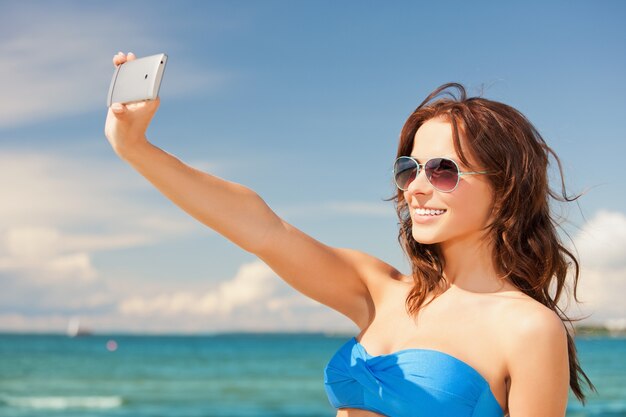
62	402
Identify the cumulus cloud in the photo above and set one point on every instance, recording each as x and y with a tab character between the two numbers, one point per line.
601	245
602	242
57	214
39	252
44	192
254	299
252	283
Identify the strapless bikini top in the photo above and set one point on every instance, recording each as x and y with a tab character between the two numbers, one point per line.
407	383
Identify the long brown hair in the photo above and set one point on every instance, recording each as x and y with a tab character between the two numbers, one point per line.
527	248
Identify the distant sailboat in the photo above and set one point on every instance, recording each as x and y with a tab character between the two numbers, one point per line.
75	329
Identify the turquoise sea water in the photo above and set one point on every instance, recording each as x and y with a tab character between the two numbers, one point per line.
234	375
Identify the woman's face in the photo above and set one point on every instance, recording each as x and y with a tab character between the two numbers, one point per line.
466	209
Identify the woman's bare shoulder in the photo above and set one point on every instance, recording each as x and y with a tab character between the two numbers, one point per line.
521	319
520	306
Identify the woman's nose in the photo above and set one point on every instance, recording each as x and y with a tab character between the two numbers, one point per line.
420	184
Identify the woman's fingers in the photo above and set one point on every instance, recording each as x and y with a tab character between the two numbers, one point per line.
118	108
120	58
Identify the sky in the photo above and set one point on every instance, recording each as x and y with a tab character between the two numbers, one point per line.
282	97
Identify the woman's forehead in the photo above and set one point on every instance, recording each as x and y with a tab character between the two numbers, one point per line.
434	138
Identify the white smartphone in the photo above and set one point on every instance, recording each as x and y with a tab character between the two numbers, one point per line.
137	80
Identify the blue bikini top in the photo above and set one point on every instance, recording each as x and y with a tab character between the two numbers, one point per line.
407	383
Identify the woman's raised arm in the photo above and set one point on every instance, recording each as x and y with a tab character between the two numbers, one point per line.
346	280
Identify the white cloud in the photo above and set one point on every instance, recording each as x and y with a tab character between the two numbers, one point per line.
58	60
31	244
255	298
38	253
601	246
59	211
253	283
56	213
44	192
602	241
78	264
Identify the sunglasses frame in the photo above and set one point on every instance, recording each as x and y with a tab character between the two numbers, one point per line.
421	167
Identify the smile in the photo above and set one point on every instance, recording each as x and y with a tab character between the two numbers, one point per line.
428	212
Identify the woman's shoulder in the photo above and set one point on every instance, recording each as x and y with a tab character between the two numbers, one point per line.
522	319
522	308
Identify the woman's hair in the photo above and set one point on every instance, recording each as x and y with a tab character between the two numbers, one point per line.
526	247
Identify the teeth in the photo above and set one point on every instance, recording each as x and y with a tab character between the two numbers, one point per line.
428	212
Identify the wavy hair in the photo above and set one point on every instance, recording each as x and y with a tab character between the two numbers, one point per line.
527	248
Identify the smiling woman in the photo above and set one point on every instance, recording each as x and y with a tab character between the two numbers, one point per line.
480	218
476	226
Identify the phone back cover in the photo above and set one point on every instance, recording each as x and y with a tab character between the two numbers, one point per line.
137	80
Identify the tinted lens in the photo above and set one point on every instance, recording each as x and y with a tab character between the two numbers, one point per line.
442	173
405	171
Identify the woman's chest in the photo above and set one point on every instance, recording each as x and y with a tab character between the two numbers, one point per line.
466	329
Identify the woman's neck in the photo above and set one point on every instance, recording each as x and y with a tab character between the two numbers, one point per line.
469	265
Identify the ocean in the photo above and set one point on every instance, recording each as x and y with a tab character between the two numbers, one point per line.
226	375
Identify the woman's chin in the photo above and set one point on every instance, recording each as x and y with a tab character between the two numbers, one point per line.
425	239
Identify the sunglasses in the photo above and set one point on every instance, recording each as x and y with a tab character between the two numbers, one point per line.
442	173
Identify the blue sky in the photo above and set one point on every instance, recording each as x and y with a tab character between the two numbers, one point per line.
282	97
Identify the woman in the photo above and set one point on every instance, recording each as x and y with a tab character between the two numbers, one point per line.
475	329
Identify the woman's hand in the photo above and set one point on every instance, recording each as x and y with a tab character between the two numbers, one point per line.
126	124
